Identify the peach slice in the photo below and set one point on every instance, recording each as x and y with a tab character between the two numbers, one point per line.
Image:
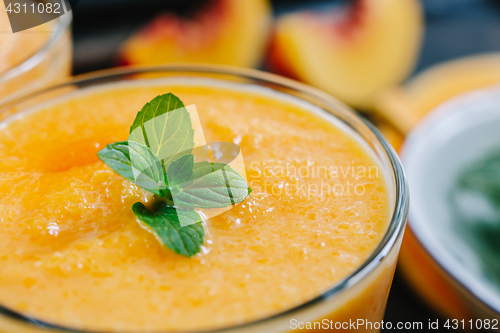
228	32
352	52
405	106
391	134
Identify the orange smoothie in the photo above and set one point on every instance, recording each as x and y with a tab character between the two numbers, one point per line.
17	48
72	252
26	48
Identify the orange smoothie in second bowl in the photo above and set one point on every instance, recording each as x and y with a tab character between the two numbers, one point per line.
315	243
33	58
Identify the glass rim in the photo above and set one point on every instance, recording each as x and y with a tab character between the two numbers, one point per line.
63	23
401	192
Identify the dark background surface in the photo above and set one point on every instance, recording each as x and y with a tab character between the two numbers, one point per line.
453	28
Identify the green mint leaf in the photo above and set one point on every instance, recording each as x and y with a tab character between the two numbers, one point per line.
164	223
136	163
212	185
180	170
155	107
164	125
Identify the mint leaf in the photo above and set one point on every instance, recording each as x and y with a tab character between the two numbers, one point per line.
164	222
212	185
136	163
180	170
157	106
164	125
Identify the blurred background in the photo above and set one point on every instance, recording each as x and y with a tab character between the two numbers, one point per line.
451	29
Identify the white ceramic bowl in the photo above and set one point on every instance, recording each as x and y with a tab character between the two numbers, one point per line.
451	138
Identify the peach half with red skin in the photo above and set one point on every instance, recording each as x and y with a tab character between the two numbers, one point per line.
351	52
404	106
226	32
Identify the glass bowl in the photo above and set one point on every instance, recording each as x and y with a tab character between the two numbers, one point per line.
49	65
360	296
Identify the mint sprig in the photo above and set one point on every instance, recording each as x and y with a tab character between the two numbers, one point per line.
158	157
